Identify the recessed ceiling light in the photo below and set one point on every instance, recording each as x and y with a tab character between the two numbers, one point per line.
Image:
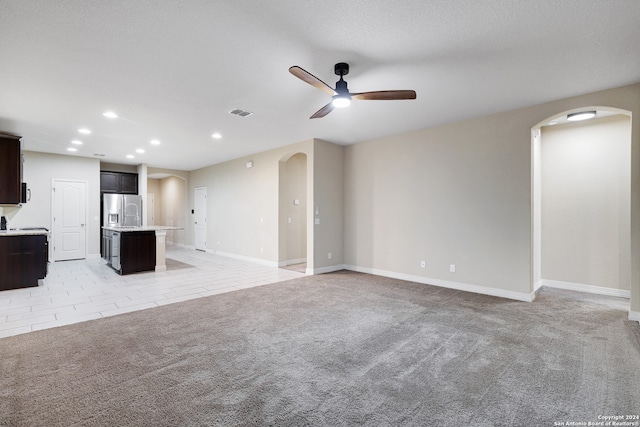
582	115
72	149
216	136
139	150
552	122
76	142
155	142
84	131
110	115
130	156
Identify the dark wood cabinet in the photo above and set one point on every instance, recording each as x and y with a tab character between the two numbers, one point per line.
129	183
109	182
23	260
118	182
10	170
137	251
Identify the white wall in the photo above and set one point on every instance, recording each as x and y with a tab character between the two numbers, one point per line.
585	200
39	171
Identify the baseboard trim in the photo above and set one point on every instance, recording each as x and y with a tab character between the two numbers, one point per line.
291	262
322	270
537	286
93	256
245	258
580	287
634	315
467	287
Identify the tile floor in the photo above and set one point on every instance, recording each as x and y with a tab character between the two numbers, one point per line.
76	291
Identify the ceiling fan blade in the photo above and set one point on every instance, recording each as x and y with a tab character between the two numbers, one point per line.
311	79
385	95
323	111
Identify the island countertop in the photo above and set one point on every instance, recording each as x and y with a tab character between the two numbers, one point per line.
128	229
22	232
133	249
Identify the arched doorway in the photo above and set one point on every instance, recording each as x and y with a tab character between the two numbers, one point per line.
170	195
292	212
581	222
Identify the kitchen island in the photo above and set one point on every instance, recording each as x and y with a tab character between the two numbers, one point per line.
130	249
24	256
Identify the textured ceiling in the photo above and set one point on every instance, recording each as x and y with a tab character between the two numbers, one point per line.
172	70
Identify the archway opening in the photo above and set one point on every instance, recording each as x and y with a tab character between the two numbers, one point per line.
292	212
581	176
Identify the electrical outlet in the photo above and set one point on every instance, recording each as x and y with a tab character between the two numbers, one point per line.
452	268
423	264
329	255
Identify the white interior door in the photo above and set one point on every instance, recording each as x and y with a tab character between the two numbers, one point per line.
151	219
200	207
69	231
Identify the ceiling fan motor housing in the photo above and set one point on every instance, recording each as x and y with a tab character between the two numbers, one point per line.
341	87
341	69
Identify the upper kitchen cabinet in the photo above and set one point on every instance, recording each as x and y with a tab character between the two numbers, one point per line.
118	182
10	170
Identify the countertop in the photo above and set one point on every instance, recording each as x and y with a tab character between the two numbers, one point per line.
4	233
128	229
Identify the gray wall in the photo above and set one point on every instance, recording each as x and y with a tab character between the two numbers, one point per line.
585	200
243	204
458	194
455	194
247	214
293	216
328	201
461	194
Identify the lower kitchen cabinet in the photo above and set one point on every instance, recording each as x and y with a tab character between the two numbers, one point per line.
23	260
137	252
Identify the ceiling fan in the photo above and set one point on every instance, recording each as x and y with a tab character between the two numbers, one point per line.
341	95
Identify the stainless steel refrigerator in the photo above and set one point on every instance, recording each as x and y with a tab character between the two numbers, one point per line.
122	210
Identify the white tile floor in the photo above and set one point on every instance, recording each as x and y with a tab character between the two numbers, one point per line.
76	291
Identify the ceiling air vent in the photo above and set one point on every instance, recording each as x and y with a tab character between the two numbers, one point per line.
241	113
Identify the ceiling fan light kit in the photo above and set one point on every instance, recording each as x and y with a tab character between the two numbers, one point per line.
341	97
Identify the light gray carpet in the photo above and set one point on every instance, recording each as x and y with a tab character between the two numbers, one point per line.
337	349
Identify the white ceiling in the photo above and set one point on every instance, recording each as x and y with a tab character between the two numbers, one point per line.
173	69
